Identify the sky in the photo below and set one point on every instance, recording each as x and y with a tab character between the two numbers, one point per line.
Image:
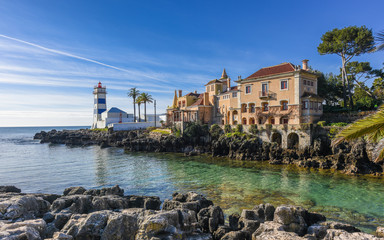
52	53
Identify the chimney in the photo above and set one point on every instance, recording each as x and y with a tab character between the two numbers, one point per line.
206	99
195	91
305	64
180	93
229	84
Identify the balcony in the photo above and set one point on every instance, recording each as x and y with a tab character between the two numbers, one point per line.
267	95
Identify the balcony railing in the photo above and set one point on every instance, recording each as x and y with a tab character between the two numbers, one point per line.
267	94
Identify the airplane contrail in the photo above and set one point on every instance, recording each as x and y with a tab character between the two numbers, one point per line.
77	57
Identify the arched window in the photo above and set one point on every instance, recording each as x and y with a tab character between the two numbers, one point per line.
244	121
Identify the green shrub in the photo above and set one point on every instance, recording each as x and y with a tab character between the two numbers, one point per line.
333	131
215	131
321	123
227	128
239	128
151	128
253	129
339	124
268	126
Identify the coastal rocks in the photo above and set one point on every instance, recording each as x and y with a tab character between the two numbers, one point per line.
191	201
335	234
28	229
22	207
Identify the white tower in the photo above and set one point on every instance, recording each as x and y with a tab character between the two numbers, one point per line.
100	105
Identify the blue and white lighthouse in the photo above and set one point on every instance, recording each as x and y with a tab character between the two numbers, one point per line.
99	106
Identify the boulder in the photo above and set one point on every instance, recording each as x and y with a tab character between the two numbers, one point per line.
210	218
236	235
278	235
6	189
341	226
115	190
74	191
337	234
22	207
380	232
292	219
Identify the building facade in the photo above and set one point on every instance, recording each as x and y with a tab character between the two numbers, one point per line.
276	95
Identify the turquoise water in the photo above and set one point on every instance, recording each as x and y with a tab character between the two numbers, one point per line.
234	185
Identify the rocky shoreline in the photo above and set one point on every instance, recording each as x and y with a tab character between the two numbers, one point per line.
109	214
350	158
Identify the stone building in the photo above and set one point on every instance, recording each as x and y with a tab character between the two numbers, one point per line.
276	95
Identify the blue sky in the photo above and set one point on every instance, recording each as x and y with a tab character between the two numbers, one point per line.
52	53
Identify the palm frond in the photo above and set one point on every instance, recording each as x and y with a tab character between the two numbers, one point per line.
371	126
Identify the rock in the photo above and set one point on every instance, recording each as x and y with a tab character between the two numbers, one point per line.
86	226
62	236
380	232
319	231
236	235
341	226
38	224
221	231
115	190
210	218
337	234
121	226
278	235
6	189
73	204
22	233
74	191
292	218
268	227
234	221
23	207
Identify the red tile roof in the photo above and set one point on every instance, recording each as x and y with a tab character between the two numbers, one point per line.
213	81
193	94
281	68
198	102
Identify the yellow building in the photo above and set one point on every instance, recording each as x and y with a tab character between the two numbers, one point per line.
281	94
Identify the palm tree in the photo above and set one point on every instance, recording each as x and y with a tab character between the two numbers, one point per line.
146	98
371	127
380	39
134	93
139	101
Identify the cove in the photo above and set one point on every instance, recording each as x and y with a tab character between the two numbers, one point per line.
233	185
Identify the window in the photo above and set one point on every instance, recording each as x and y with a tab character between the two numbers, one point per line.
311	105
247	89
179	103
183	103
265	107
284	105
320	106
260	120
212	88
234	95
244	108
312	83
305	82
305	104
284	120
284	84
252	108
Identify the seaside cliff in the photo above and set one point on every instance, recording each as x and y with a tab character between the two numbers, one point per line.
109	214
350	158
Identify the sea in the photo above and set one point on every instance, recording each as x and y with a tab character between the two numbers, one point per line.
233	185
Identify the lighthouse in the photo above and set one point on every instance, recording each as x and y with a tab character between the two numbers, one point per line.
100	105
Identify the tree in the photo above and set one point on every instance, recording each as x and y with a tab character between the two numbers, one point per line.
139	101
371	127
146	98
134	93
330	88
346	43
